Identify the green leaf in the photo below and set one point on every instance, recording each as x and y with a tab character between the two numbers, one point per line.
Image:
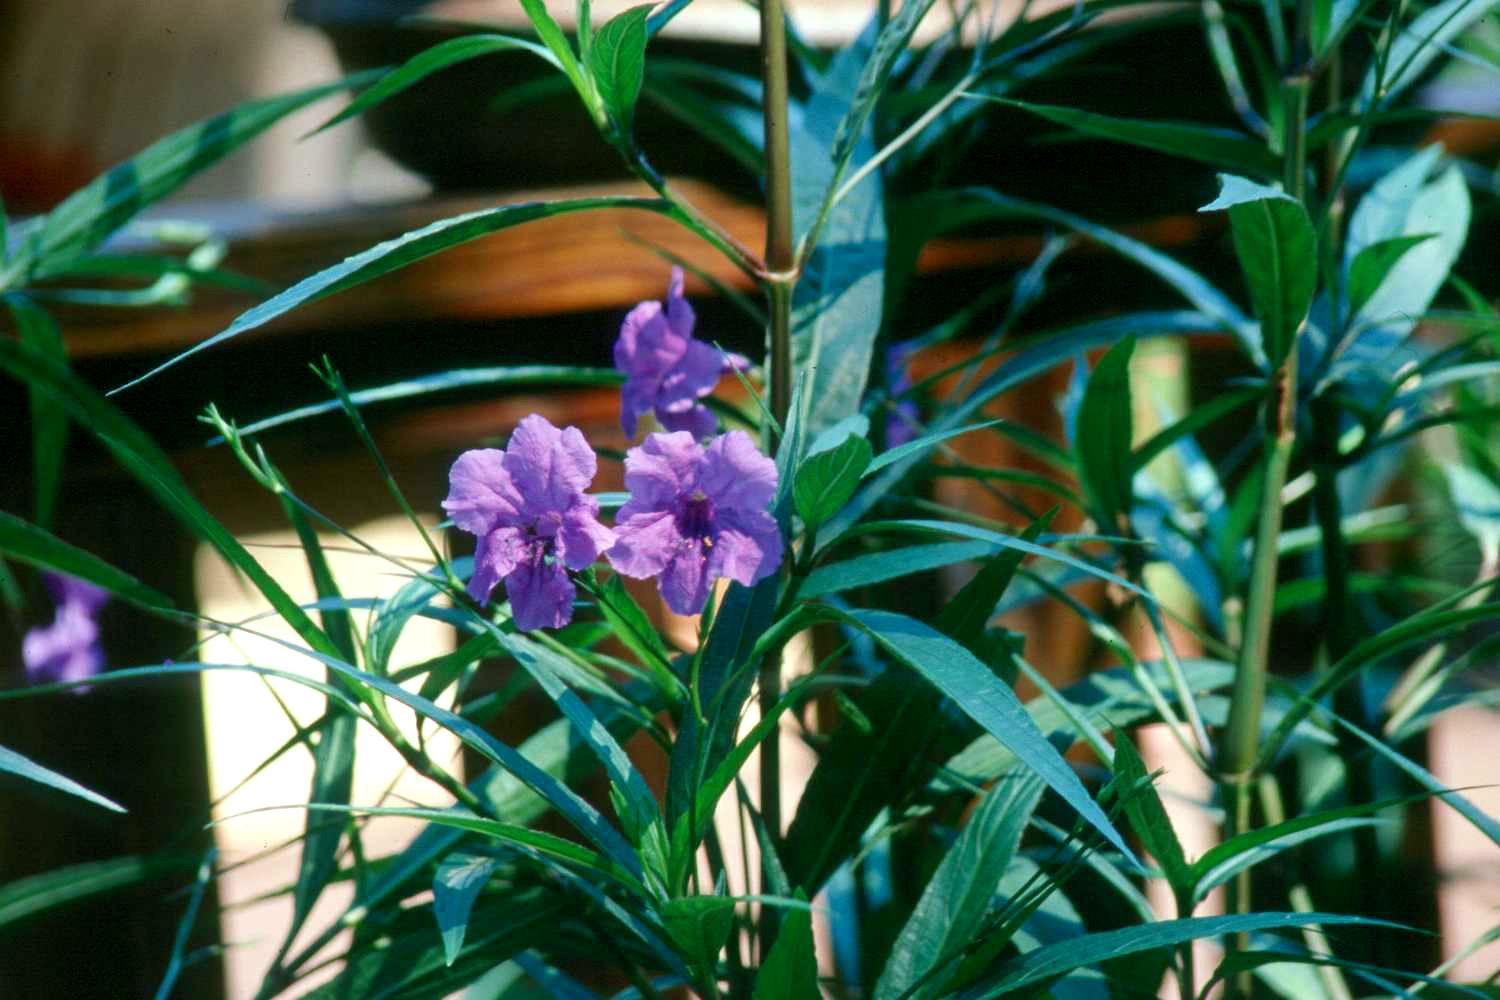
963	530
396	253
617	61
977	692
1476	499
405	959
552	36
1373	263
921	445
1481	820
458	882
36	894
1205	143
827	479
957	898
874	78
24	767
1223	861
554	749
879	567
1278	254
144	460
458	378
98	209
1055	960
1148	818
632	627
1106	697
869	765
1441	620
967	615
581	814
1414	279
636	804
725	678
838	301
433	60
790	970
1200	416
30	544
1105	434
933	213
725	123
1416	45
699	925
49	423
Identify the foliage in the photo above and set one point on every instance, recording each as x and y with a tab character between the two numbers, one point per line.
944	836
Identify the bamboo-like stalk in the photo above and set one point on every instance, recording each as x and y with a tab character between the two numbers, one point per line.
780	277
1241	737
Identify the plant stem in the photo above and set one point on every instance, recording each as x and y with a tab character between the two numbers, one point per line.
779	279
1242	734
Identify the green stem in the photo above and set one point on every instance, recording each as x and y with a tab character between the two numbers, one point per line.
779	279
1241	736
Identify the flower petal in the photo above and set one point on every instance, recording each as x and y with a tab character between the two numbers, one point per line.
684	583
581	538
735	475
498	553
549	467
480	492
644	543
659	470
747	547
67	589
693	418
66	650
541	595
679	313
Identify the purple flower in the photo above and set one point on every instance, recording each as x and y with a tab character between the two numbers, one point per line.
528	508
695	514
68	649
901	424
667	370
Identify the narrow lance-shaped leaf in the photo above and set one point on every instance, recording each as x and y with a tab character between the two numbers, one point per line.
49	423
1080	953
30	544
978	693
957	898
1205	143
432	60
1278	255
141	456
838	301
98	209
24	767
1148	818
1105	431
396	253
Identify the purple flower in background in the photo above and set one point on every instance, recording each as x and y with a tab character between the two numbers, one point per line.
696	514
528	508
668	370
901	424
68	649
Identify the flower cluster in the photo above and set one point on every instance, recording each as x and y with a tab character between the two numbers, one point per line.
68	649
697	512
